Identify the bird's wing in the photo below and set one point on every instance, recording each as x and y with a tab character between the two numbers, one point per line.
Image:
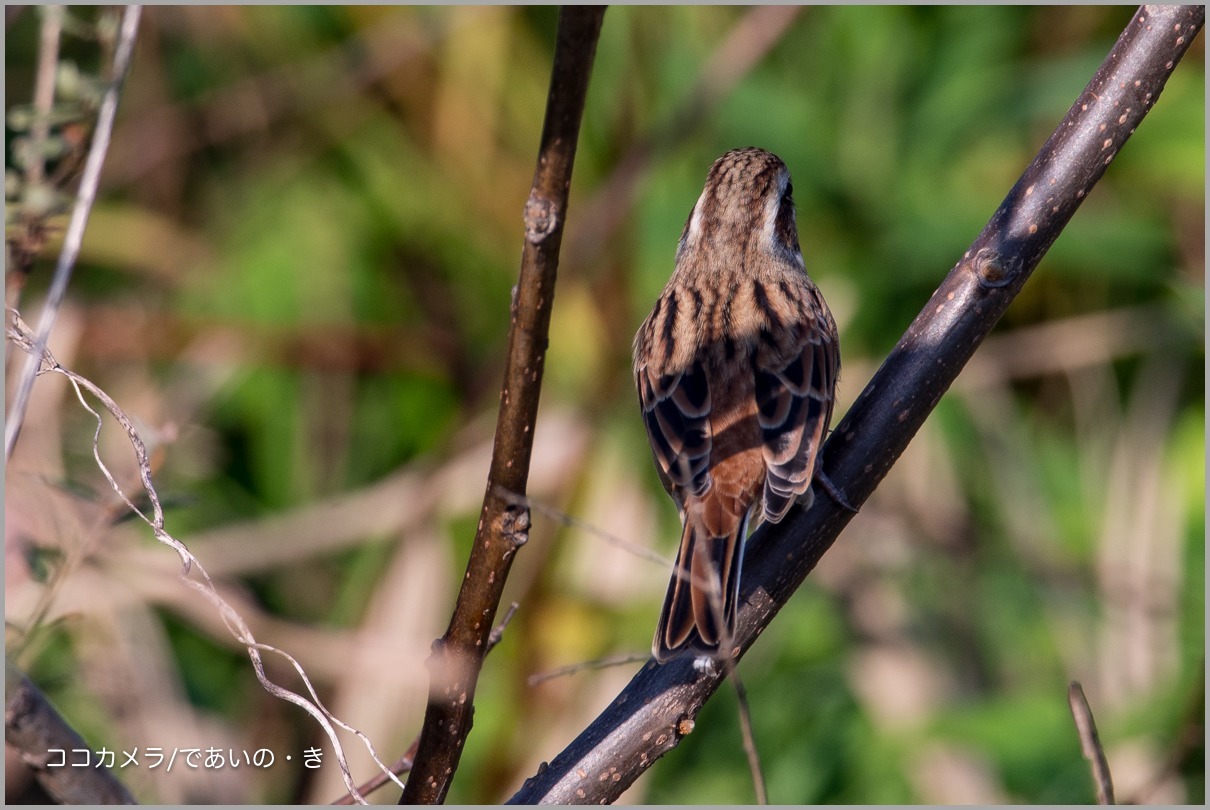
796	372
676	411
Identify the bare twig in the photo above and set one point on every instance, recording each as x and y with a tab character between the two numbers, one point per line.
397	768
749	737
503	528
498	631
21	250
44	91
646	720
46	743
85	197
572	669
1090	742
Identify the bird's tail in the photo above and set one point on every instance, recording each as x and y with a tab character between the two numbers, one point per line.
699	608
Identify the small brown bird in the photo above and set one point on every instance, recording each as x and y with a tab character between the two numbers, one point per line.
736	369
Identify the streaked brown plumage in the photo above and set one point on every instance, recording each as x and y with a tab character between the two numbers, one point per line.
736	368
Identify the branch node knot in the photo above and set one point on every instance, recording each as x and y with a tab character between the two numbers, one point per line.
540	218
514	525
993	269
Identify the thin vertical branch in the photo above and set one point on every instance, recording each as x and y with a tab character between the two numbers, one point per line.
32	210
457	657
404	763
85	198
1090	742
44	91
749	738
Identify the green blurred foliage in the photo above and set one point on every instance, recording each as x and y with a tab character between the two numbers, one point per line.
332	196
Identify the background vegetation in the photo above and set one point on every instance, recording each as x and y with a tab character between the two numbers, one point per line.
297	280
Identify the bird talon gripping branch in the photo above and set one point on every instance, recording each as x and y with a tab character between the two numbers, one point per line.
834	492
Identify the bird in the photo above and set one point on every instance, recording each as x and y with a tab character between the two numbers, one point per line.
736	369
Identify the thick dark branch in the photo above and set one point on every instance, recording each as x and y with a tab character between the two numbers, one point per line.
503	526
658	706
49	746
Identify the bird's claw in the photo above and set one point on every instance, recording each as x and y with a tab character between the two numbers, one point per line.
833	492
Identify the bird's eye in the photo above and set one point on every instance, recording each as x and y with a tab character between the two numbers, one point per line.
788	197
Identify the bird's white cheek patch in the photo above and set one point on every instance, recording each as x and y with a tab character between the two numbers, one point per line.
695	221
768	231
